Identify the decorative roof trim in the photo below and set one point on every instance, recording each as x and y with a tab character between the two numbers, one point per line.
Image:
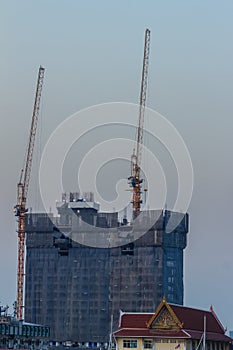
186	333
151	335
217	319
170	310
120	318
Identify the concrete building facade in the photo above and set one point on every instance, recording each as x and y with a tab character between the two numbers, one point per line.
75	288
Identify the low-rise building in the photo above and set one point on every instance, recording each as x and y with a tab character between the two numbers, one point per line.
171	327
17	334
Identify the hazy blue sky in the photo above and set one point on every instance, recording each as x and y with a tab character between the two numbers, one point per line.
92	51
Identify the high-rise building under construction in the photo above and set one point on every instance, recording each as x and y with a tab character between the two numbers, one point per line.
77	289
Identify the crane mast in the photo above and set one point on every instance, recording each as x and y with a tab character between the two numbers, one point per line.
22	191
135	178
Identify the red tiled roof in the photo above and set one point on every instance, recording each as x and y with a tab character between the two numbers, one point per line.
135	324
150	333
194	319
209	336
135	320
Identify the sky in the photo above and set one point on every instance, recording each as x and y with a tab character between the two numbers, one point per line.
92	52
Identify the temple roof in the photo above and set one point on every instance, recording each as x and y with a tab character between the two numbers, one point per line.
171	321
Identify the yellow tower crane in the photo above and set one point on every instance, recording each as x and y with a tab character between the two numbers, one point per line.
22	191
135	180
